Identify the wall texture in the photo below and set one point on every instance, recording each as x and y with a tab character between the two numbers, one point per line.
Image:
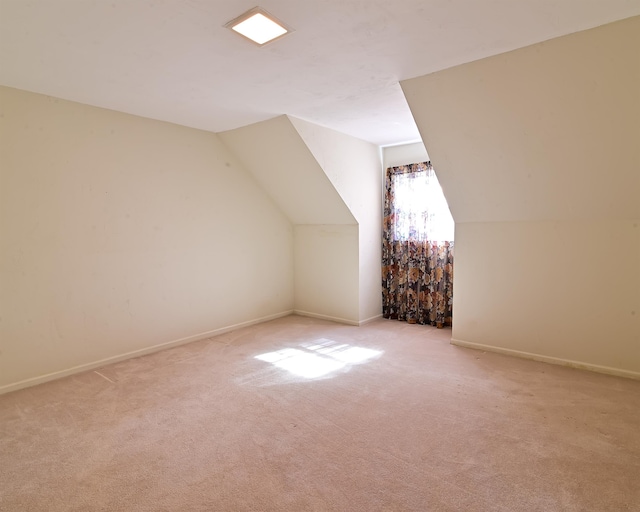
328	184
326	271
353	167
120	233
538	152
273	152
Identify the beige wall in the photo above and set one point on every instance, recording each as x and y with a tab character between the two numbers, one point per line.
328	184
121	233
326	232
353	167
326	272
545	132
538	153
273	152
568	290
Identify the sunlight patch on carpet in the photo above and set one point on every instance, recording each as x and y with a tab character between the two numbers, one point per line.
318	358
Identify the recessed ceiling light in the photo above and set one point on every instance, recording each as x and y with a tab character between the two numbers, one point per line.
259	26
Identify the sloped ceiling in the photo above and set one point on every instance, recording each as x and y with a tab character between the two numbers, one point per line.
277	157
547	132
174	60
352	165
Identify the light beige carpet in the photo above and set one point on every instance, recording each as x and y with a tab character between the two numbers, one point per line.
248	421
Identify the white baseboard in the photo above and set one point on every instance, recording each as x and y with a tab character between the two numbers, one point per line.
369	320
548	359
33	381
325	317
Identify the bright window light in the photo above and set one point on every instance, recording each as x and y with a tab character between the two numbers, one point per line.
318	358
421	208
342	351
355	354
274	357
302	364
258	26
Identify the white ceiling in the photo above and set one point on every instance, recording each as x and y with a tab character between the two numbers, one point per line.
173	60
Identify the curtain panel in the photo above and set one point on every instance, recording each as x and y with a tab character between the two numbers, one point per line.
417	273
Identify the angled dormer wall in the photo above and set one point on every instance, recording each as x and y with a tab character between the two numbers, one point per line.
538	153
325	233
324	182
283	165
353	167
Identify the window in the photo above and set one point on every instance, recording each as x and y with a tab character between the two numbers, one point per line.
421	210
417	247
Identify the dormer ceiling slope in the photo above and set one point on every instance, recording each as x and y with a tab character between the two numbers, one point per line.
278	158
547	132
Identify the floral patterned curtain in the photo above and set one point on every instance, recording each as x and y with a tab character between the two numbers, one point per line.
417	248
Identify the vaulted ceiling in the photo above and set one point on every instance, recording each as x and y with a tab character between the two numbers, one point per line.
174	60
